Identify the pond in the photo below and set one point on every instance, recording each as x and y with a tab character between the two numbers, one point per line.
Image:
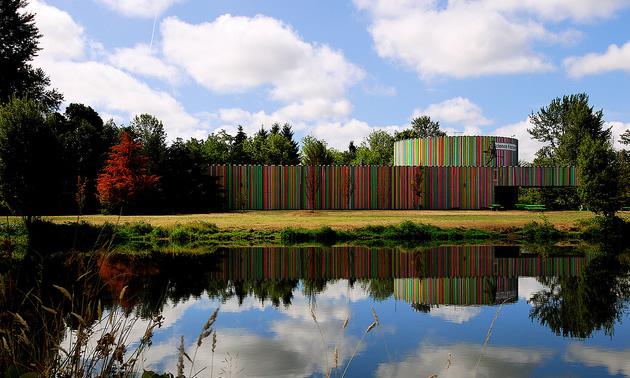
458	311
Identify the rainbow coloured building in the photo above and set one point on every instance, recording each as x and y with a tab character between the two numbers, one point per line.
457	172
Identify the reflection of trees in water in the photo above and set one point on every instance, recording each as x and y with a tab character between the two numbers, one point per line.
593	301
379	289
278	292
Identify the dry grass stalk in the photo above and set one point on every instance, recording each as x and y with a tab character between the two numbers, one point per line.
20	320
205	332
489	333
382	334
343	327
371	327
214	345
323	341
63	291
180	359
122	294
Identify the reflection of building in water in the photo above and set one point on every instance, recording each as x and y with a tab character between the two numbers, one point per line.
457	290
442	275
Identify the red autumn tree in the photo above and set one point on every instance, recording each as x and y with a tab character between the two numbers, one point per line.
124	176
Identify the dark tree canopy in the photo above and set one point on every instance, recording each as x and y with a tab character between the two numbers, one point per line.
29	160
18	46
85	140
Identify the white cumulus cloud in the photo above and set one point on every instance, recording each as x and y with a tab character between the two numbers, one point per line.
466	38
139	8
456	111
527	146
61	36
141	60
235	54
614	59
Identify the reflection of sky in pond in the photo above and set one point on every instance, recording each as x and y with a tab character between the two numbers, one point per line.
286	342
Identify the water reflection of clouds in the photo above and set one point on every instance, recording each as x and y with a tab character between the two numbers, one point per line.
615	361
429	359
455	314
528	286
295	347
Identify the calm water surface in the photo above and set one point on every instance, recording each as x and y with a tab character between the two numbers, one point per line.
565	315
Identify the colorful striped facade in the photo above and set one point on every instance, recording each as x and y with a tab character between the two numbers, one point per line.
316	263
465	172
376	187
464	275
456	151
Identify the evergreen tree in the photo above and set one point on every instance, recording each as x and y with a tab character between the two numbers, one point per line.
149	132
19	39
239	151
293	152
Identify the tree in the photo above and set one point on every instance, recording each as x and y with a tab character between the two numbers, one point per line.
578	306
377	149
217	148
417	185
149	131
421	127
124	177
186	185
275	147
18	46
85	140
293	150
347	157
599	177
315	152
239	151
29	160
624	169
563	126
258	143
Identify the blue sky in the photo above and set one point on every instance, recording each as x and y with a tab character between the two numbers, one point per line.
337	69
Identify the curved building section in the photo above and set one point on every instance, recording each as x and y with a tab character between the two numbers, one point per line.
457	151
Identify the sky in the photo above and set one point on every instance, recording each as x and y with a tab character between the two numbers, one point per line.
334	69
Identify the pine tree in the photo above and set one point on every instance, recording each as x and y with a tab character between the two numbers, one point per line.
18	46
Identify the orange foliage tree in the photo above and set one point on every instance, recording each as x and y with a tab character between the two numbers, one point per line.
124	176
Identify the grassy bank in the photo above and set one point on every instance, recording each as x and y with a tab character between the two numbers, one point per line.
277	220
383	229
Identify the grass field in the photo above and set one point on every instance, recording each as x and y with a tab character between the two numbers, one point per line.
348	219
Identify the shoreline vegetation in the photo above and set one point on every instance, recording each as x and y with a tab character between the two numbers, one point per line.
377	228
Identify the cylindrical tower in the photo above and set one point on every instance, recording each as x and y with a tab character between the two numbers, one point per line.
457	151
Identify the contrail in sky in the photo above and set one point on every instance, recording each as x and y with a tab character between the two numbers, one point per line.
153	32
